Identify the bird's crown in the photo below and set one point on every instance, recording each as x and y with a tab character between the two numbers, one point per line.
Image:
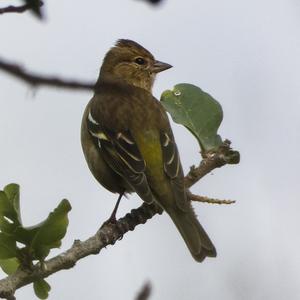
133	46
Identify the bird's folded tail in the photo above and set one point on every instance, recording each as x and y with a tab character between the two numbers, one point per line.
193	233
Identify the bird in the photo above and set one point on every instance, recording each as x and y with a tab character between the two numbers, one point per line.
129	145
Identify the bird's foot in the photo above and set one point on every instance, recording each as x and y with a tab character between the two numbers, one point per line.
113	219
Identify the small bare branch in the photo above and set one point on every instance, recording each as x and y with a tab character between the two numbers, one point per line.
17	9
205	199
36	80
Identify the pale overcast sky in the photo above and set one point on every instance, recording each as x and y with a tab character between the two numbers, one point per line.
244	53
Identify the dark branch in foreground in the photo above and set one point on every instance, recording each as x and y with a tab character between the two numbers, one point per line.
145	292
37	80
154	2
108	234
17	9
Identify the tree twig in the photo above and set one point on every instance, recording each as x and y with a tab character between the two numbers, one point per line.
17	9
205	199
212	160
36	80
108	234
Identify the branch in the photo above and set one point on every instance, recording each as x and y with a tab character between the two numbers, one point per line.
35	80
17	9
144	293
212	160
154	2
108	234
204	199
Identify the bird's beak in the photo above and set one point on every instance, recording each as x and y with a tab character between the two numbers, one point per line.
160	66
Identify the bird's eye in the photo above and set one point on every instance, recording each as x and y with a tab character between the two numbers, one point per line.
140	61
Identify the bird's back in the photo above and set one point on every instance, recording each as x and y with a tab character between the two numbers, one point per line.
124	108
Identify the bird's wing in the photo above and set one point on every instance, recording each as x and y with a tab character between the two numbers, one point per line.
173	168
122	154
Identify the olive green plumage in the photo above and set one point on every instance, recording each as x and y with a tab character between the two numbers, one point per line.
128	142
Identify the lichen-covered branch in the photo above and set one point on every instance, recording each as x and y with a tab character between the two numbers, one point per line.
109	233
39	80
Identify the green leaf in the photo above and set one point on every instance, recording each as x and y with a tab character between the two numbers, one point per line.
55	226
8	246
41	288
197	111
25	235
9	266
5	205
12	192
7	214
38	240
48	234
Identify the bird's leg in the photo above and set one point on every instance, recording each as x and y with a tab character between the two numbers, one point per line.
112	219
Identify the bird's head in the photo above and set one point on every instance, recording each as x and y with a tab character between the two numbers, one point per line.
131	62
